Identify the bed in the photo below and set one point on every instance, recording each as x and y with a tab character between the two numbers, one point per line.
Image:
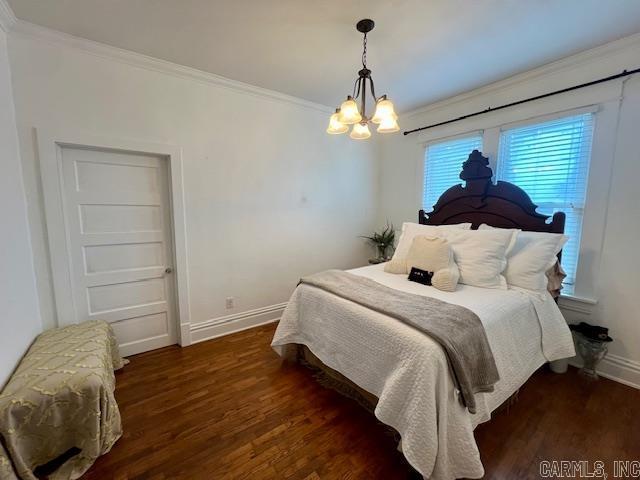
401	372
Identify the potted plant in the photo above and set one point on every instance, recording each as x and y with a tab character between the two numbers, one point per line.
383	240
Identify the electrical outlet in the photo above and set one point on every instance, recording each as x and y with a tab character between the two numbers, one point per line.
229	302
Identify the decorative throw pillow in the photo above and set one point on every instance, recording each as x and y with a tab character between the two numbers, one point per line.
481	255
433	254
396	265
555	275
532	255
409	232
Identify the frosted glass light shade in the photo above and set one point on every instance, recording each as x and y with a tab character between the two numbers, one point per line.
388	125
360	131
349	113
384	111
336	126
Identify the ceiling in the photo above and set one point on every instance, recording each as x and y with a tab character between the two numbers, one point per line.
420	51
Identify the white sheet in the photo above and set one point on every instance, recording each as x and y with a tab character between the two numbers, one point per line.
408	371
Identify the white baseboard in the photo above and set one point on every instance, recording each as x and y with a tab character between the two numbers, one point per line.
617	368
218	327
140	346
185	334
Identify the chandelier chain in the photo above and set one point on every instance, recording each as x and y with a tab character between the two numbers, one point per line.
364	51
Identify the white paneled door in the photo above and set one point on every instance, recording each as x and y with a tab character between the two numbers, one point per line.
119	235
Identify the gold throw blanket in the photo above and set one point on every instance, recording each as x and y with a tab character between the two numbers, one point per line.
61	396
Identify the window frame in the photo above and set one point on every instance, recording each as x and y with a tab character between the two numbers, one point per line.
605	105
592	110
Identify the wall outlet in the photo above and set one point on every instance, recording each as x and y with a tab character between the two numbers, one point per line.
229	303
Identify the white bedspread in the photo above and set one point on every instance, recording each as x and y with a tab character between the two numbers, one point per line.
408	371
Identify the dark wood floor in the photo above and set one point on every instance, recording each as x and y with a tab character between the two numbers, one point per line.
228	409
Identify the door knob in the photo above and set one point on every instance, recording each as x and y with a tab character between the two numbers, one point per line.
168	270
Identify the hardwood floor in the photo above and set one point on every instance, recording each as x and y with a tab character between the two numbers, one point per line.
228	409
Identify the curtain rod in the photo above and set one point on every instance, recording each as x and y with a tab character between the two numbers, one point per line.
624	73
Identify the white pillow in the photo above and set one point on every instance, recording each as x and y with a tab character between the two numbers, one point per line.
412	230
481	255
532	255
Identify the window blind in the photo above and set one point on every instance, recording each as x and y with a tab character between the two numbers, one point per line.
550	161
442	166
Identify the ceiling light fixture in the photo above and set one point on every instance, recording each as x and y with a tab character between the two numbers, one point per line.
349	114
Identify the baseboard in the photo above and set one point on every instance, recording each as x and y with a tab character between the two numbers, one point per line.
616	368
218	327
134	348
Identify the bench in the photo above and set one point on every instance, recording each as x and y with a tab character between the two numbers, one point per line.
60	399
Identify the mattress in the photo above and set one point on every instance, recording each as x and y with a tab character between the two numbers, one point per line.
408	371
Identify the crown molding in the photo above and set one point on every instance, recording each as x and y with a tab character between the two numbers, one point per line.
7	17
563	64
101	50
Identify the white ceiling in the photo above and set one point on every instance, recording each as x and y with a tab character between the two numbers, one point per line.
420	51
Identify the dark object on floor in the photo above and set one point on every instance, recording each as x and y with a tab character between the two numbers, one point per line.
47	469
591	344
592	352
592	332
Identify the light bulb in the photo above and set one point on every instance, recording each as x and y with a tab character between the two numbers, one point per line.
384	110
388	125
349	113
335	125
360	131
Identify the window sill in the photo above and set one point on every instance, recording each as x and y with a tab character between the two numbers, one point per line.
577	304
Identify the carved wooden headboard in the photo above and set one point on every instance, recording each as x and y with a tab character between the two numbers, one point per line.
502	205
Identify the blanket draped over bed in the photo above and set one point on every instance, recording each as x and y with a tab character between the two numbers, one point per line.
457	329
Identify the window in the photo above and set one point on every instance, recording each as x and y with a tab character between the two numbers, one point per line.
550	161
442	165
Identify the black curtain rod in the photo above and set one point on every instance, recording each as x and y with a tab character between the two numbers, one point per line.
624	73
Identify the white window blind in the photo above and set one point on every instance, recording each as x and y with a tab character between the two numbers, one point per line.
550	161
442	166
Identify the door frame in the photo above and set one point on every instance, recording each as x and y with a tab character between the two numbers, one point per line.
50	143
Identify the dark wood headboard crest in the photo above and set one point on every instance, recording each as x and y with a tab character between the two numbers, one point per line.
502	205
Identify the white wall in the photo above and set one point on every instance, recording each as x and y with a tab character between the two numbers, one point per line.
19	314
269	196
609	262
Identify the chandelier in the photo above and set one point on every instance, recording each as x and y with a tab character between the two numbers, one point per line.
349	114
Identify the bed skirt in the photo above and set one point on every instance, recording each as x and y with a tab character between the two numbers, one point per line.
330	378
